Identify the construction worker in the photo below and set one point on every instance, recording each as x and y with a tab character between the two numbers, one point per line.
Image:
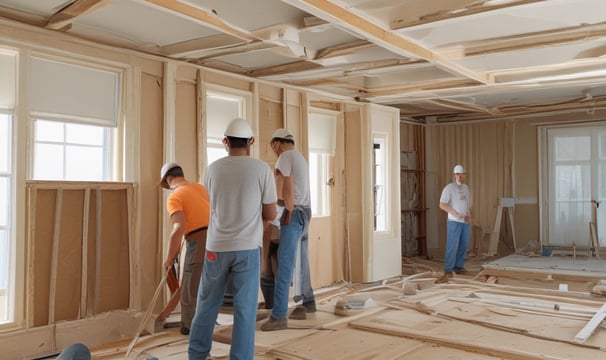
269	260
455	200
189	210
239	186
292	183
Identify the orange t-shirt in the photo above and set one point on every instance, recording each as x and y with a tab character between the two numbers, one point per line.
193	200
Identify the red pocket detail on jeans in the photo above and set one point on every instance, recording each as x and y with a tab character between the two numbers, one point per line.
211	256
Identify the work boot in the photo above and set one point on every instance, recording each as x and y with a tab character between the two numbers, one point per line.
267	288
184	330
310	306
299	313
274	324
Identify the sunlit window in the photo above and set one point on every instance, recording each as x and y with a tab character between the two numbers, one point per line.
75	121
221	108
8	263
318	180
379	184
66	151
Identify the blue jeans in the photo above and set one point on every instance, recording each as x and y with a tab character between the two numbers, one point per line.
75	352
292	235
244	267
457	238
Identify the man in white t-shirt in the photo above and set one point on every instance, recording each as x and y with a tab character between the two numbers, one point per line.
242	193
456	201
292	184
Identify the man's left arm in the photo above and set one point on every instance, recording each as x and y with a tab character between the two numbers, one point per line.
174	244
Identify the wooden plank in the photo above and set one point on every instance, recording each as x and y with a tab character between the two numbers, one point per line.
496	232
591	326
52	297
208	18
84	281
67	14
595	245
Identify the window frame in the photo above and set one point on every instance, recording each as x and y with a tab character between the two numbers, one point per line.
114	154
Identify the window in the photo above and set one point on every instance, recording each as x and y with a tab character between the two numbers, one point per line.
321	149
5	220
221	108
75	121
575	159
379	184
66	151
8	73
318	179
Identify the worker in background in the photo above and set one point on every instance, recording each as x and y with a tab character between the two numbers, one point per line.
189	210
456	201
269	260
239	186
292	184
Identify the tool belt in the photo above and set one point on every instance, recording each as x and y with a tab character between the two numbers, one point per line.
197	234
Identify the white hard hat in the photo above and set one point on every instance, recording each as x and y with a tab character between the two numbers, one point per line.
165	169
239	128
458	170
282	134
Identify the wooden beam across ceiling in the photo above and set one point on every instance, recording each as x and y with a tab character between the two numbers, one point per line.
207	17
22	17
581	33
387	38
474	7
64	17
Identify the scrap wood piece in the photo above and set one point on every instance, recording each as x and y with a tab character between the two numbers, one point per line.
591	326
513	330
419	306
346	320
472	346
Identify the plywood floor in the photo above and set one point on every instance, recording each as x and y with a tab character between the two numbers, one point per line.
495	311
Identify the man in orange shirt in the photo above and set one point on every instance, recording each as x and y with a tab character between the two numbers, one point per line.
189	210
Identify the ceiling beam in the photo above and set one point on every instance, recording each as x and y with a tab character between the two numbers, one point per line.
207	17
475	7
386	38
220	41
343	49
64	17
420	86
284	68
581	33
22	17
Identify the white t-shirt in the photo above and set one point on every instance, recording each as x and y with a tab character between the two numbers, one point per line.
237	187
292	163
457	197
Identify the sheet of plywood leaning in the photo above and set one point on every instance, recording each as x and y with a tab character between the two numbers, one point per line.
78	250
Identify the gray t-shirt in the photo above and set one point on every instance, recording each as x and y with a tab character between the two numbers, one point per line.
237	187
457	197
292	163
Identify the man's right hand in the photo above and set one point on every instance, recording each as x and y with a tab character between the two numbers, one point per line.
286	216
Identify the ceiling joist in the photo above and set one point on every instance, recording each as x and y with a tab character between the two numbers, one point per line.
206	17
475	7
64	17
385	37
575	34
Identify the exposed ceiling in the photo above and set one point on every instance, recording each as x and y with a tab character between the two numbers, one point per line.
436	60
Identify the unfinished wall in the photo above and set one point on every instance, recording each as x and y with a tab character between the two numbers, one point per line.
79	250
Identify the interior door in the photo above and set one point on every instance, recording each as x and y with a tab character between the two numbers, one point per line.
576	159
